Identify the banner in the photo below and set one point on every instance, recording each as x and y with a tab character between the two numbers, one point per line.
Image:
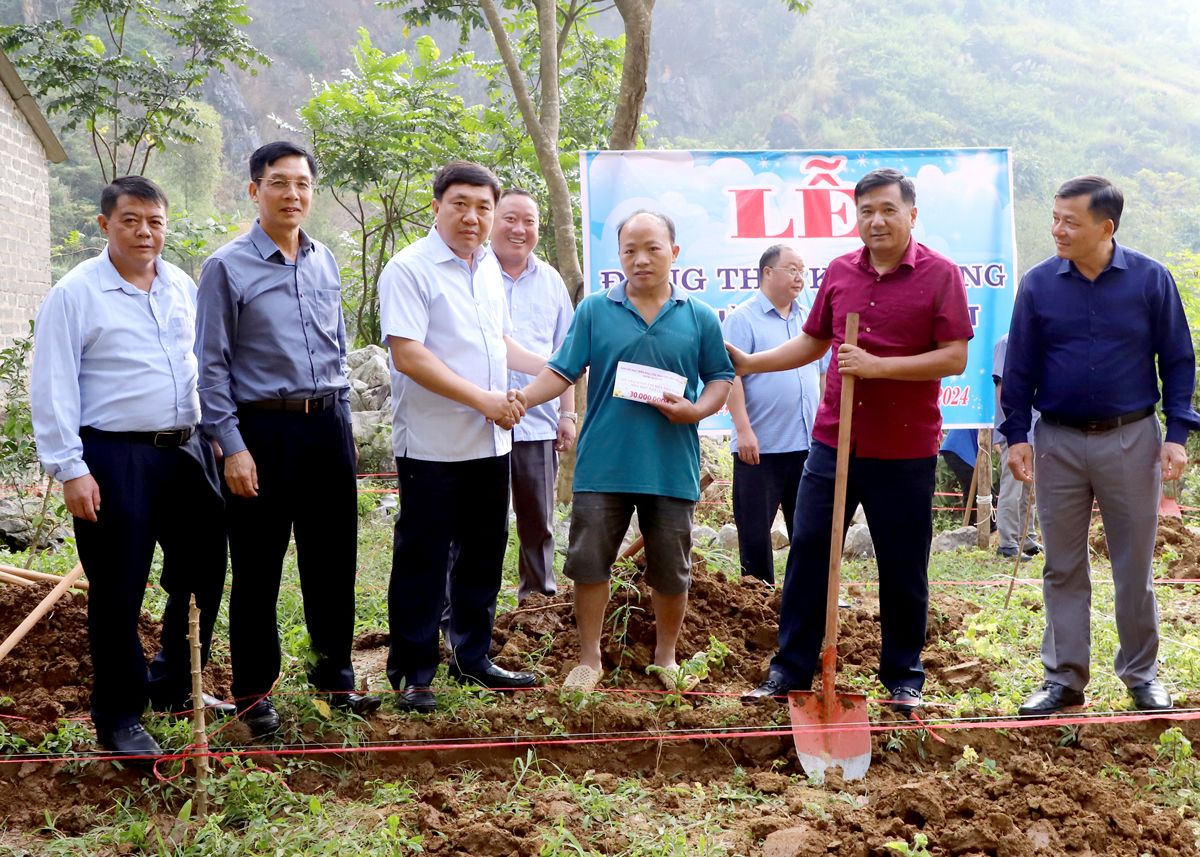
729	207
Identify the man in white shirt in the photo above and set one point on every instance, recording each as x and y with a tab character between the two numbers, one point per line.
115	410
541	313
447	326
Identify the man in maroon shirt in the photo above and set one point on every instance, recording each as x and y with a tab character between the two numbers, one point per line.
914	328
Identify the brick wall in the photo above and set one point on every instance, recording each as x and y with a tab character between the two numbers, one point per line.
24	222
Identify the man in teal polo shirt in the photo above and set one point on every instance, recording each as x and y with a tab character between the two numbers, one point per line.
641	454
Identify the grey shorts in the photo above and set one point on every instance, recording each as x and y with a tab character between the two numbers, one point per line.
600	521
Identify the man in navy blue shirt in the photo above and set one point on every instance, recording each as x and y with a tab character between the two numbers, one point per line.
1089	326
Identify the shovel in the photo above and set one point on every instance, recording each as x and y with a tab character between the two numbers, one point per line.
831	728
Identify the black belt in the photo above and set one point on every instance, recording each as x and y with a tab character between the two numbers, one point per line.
301	406
168	439
1090	426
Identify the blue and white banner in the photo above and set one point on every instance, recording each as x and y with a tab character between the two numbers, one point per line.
728	207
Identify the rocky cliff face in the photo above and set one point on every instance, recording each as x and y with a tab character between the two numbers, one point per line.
240	133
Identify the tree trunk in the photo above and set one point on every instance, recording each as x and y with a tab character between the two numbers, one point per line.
634	67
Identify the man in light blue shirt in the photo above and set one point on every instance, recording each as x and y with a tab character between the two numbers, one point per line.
276	400
446	321
541	313
114	415
772	412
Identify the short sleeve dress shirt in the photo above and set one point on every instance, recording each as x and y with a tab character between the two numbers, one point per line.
904	312
430	295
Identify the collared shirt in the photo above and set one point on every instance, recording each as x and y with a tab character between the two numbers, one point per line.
1086	350
904	312
541	312
267	328
430	295
628	446
110	356
781	406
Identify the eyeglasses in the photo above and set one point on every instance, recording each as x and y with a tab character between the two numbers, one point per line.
790	271
281	185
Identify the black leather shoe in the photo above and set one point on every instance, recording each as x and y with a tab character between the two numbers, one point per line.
216	707
1033	548
130	741
262	718
1151	696
492	676
358	703
1011	553
416	698
774	686
905	701
1050	698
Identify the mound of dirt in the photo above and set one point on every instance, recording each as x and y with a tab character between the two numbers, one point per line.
48	675
1174	538
741	613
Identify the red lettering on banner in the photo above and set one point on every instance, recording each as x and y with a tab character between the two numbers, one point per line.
750	218
826	205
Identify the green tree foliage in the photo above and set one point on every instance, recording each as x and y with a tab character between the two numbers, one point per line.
126	70
379	133
1072	87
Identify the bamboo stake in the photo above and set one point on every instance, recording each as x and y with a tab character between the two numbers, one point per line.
39	576
5	577
199	735
983	476
970	495
41	610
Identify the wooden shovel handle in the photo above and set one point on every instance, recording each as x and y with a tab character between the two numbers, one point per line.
829	649
41	610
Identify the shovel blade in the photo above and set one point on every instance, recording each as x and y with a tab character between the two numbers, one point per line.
836	735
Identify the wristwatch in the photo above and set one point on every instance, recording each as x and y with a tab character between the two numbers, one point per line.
569	415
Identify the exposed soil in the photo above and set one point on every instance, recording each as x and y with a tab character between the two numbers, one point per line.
1174	538
1024	795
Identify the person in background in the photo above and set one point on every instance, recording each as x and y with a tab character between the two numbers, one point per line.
1015	497
772	413
541	314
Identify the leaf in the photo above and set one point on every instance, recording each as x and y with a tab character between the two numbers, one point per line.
185	812
323	708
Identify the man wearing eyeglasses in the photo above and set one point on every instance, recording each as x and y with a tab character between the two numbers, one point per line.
773	413
274	396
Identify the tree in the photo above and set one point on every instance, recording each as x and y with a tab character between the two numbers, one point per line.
126	70
539	97
379	133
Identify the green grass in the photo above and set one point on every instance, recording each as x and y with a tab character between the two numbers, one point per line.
255	811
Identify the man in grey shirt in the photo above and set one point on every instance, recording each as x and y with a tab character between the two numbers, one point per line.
274	397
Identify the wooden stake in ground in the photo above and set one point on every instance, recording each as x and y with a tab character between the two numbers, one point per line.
983	476
199	735
41	610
